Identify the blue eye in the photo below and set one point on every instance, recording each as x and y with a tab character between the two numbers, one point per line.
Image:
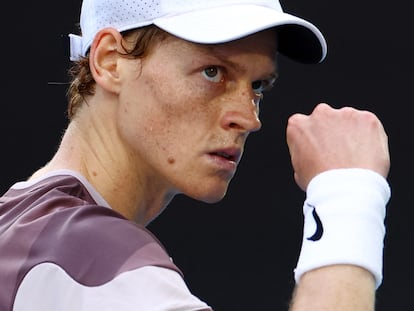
260	86
213	74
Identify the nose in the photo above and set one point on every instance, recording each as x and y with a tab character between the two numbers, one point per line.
242	111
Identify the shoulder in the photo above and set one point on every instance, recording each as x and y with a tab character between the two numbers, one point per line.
105	242
59	221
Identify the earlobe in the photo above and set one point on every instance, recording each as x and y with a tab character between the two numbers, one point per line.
103	59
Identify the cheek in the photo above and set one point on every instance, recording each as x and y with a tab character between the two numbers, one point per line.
154	120
179	103
166	113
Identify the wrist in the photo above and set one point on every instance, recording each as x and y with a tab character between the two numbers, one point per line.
344	214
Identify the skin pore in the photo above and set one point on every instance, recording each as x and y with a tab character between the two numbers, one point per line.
173	122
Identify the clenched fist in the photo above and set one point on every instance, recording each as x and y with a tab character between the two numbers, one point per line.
331	138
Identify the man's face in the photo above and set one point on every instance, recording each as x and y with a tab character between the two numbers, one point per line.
187	109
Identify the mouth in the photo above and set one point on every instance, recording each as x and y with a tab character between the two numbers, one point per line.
231	154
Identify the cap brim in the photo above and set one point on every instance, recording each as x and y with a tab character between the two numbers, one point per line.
297	38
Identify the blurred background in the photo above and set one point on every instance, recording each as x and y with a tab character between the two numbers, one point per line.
239	254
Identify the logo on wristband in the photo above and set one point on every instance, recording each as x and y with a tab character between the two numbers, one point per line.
319	227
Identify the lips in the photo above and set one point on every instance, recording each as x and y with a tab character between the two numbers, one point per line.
229	154
224	155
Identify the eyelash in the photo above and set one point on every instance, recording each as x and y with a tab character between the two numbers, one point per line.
265	85
218	72
215	70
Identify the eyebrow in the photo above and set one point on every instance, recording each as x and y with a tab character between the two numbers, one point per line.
212	51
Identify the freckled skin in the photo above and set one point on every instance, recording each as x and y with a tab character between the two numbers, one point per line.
173	122
172	114
177	121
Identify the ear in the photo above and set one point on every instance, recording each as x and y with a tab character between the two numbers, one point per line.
104	57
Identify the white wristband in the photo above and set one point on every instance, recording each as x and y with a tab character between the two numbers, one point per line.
344	214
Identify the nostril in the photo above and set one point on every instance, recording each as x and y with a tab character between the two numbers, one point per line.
234	125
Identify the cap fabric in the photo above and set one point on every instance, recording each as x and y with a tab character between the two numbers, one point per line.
202	21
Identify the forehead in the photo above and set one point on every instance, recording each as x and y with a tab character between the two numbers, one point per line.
263	40
261	44
255	54
260	48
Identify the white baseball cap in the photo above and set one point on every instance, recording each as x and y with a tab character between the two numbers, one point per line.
202	21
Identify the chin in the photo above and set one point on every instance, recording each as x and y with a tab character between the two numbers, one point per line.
208	192
211	197
212	200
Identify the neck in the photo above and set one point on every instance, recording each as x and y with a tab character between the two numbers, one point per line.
98	154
